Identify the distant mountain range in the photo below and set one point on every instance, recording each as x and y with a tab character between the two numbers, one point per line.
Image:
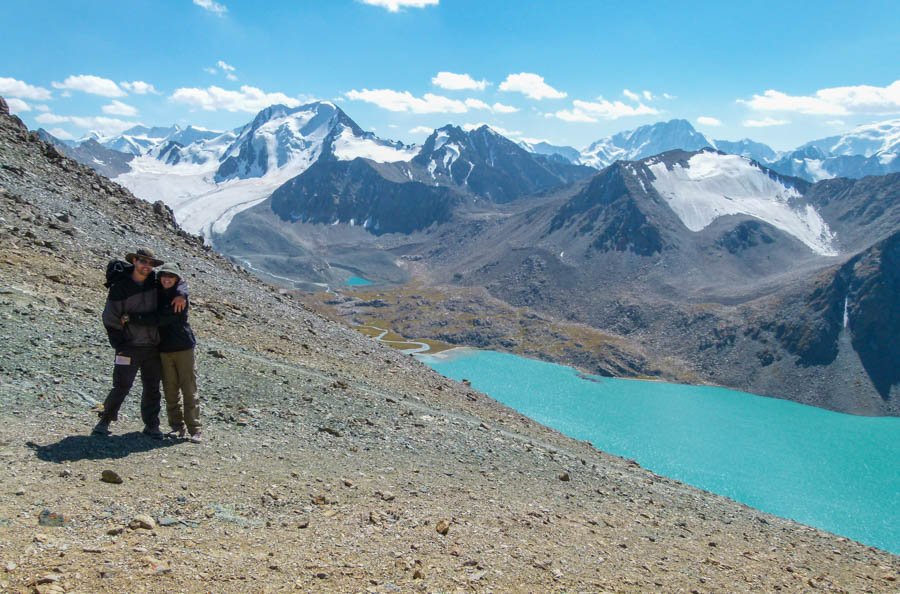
759	270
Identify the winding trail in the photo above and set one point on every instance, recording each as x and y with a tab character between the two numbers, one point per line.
422	348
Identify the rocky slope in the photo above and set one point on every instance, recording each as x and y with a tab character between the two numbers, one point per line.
331	463
722	270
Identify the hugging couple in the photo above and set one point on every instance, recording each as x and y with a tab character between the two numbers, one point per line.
146	320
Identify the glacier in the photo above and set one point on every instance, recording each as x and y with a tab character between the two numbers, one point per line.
713	185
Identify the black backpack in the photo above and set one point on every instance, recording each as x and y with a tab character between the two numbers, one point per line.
117	270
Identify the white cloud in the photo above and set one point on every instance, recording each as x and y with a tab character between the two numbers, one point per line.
765	123
396	5
17	105
421	130
41	107
120	109
458	82
613	110
531	85
139	87
212	6
590	111
708	121
860	99
497	129
248	99
61	134
94	85
227	70
405	101
835	123
495	108
500	108
103	125
573	115
10	87
643	95
667	96
51	118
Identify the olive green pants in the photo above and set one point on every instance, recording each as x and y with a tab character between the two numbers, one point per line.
179	375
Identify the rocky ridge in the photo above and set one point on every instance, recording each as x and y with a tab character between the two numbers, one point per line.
331	463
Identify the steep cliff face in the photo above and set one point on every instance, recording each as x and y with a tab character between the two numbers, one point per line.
488	165
615	212
356	193
873	313
861	297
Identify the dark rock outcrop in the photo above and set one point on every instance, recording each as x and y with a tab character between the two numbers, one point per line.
357	190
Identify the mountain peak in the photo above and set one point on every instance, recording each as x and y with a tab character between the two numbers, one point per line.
645	141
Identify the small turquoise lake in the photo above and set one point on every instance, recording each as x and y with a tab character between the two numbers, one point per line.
357	280
837	472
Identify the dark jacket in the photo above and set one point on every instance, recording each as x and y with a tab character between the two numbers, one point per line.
175	332
128	297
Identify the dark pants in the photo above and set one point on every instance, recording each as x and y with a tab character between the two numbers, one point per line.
147	360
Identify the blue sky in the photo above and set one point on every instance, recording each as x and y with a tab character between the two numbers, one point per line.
569	72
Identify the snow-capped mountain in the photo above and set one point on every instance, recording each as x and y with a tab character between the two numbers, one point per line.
747	148
882	139
873	149
202	150
279	136
566	153
710	185
485	163
645	141
213	178
137	140
812	164
91	153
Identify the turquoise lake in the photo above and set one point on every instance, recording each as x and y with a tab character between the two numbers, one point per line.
837	472
357	280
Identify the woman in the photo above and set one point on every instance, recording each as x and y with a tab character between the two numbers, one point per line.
176	352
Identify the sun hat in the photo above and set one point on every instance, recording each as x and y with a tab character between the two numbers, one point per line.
143	253
169	268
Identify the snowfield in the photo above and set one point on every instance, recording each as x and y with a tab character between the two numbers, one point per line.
715	185
201	205
291	141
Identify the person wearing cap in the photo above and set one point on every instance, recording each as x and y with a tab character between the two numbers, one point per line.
176	352
136	346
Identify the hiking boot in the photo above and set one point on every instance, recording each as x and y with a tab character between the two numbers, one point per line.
101	429
196	438
153	432
176	433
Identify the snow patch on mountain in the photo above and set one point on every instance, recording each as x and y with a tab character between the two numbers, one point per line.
348	146
643	142
218	175
201	205
714	185
881	138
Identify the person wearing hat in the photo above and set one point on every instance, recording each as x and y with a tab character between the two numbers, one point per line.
176	352
136	346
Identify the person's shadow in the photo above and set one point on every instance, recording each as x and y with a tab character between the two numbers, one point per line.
91	447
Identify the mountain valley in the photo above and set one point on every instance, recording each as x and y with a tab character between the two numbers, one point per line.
705	266
331	462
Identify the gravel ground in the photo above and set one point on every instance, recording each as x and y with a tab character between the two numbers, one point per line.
331	463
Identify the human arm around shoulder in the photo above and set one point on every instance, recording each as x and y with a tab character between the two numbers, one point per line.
113	311
164	316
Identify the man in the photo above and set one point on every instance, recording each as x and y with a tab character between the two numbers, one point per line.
136	346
